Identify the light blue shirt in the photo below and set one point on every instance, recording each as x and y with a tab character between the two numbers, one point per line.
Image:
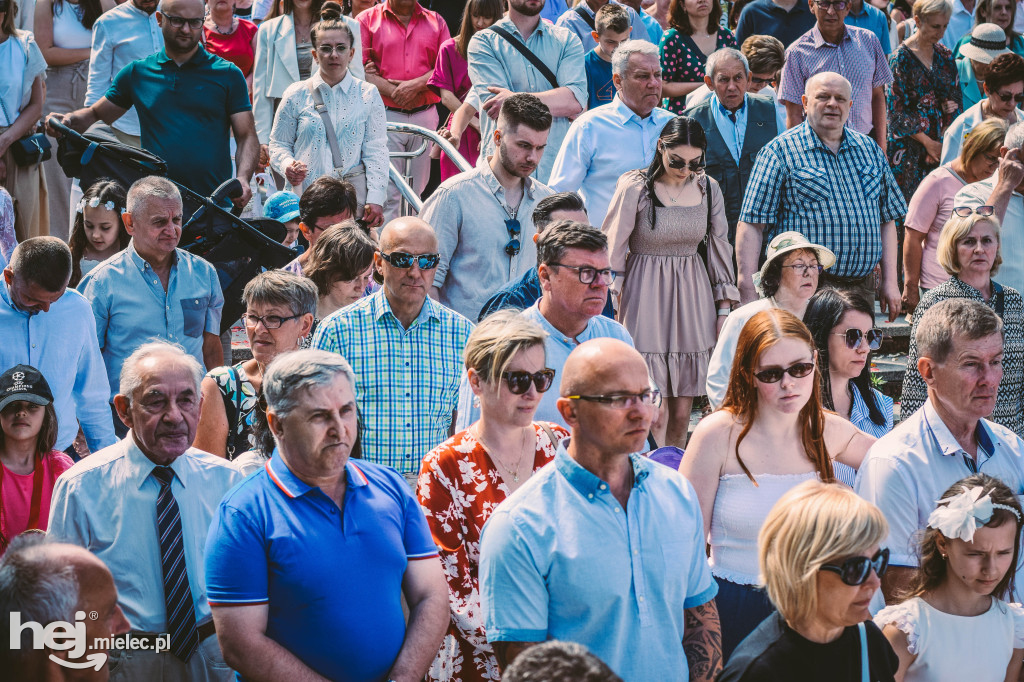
131	307
874	20
61	343
494	62
601	145
654	29
557	347
581	29
107	504
861	417
960	24
561	559
553	9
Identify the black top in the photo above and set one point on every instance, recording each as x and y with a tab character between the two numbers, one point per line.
774	651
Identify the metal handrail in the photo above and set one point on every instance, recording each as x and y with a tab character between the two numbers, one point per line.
432	135
408	193
410	199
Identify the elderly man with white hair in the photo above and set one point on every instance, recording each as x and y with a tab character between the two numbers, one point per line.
617	137
144	507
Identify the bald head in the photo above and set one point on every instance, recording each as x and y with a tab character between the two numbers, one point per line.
400	230
828	79
592	364
175	6
827	105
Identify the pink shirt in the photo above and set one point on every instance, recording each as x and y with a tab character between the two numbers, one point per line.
930	208
16	494
403	52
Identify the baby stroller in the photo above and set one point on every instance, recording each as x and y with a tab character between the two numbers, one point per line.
239	249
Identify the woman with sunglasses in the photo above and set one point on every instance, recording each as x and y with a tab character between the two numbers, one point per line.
843	328
955	625
465	478
1004	92
969	251
822	563
770	435
672	299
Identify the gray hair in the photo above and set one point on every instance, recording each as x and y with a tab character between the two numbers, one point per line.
1014	136
280	287
620	58
719	56
151	186
951	319
45	261
296	371
131	379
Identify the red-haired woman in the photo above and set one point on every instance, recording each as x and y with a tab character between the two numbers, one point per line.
770	435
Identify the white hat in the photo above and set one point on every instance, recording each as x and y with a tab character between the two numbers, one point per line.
987	42
792	241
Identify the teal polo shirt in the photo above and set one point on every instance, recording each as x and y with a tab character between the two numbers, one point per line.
185	113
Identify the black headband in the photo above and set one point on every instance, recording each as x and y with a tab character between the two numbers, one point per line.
976	42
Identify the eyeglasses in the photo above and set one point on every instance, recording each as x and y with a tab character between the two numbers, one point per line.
837	6
695	166
178	22
967	211
802	268
326	50
855	570
589	275
269	321
519	381
1007	96
761	81
514	230
399	259
773	375
621	401
854	337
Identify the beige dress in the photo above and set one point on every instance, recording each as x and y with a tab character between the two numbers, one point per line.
668	298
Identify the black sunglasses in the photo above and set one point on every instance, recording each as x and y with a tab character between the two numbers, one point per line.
514	230
1007	96
854	337
695	166
967	211
773	375
425	261
855	570
519	381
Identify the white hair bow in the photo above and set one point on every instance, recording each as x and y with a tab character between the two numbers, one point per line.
961	515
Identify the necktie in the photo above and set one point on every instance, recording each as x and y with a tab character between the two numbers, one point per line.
181	617
731	115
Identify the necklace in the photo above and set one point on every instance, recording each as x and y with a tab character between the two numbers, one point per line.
674	198
508	471
224	32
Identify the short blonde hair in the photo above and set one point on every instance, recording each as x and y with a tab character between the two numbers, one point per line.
955	229
987	136
813	524
495	341
928	8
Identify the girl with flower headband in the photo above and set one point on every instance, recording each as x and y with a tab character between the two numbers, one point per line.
955	624
98	232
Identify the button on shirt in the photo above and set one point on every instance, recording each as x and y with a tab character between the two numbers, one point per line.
131	307
71	363
1011	237
601	145
838	200
494	62
571	20
407	380
360	122
107	504
561	559
331	578
120	36
858	57
403	52
468	212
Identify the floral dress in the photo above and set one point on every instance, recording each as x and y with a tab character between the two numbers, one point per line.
459	488
240	399
915	100
683	62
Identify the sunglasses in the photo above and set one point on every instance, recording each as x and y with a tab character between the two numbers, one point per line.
855	336
967	211
425	261
1006	97
855	570
695	166
773	375
514	230
519	381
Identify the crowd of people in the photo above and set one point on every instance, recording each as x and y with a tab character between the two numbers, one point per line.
459	443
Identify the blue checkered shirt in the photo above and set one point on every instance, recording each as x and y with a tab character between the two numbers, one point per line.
407	380
838	200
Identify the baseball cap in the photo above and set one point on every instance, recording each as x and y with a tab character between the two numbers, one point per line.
282	206
24	382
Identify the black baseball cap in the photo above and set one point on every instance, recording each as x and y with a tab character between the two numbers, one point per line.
24	382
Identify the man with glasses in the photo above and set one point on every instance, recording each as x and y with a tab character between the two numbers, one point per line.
484	217
960	352
328	201
591	525
187	101
853	53
405	349
1004	90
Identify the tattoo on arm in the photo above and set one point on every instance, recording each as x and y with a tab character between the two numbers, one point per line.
702	641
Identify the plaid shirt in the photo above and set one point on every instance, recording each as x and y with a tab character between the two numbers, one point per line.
837	200
407	380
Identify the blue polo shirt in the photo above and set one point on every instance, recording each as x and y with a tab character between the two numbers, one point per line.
332	578
185	113
764	17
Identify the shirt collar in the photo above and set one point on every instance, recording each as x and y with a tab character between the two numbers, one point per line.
198	58
552	331
293	486
864	11
487	173
944	438
140	468
5	294
812	140
140	262
589	485
721	107
345	84
417	10
510	26
820	41
380	306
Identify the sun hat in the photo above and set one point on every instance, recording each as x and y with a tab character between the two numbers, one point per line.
282	206
785	242
24	382
987	42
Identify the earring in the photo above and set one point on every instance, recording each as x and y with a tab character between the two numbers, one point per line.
943	557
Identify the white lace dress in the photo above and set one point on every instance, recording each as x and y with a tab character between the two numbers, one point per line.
948	647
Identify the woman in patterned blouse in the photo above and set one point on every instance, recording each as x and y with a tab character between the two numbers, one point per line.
693	35
464	479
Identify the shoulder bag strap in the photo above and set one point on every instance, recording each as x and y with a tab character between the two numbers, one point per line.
578	9
530	57
865	673
551	434
1000	299
332	135
7	116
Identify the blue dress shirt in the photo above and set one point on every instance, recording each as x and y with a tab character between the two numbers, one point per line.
874	20
735	133
61	343
861	417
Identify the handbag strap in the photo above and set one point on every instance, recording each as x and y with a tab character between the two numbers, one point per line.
551	434
1000	299
578	9
7	115
332	135
865	673
530	56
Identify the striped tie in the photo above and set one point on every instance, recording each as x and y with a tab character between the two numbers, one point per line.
181	617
